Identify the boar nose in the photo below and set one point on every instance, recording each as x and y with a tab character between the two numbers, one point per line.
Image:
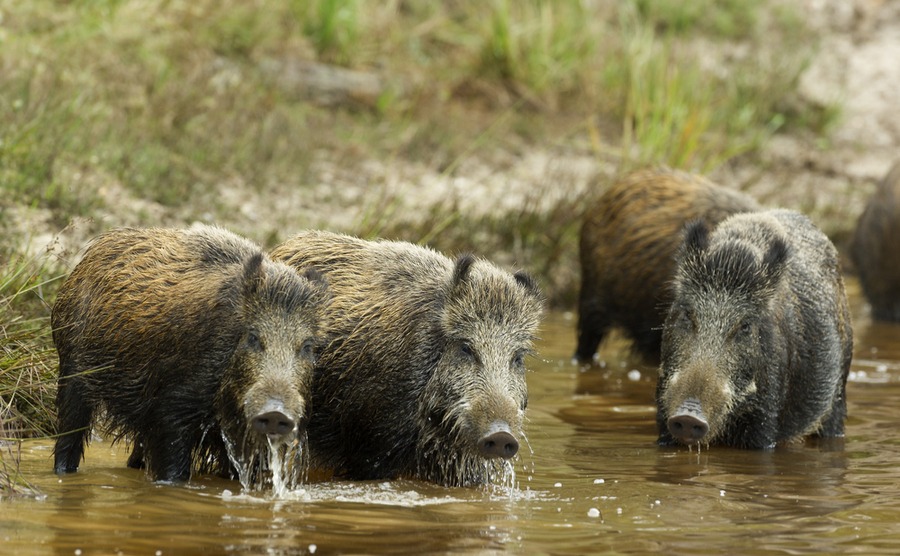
273	423
498	442
688	425
688	428
273	420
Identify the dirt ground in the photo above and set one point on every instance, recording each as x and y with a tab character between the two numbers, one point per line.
857	64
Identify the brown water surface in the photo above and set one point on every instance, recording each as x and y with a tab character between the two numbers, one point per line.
591	480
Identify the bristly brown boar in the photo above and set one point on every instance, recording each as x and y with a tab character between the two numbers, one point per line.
192	343
874	248
757	342
423	370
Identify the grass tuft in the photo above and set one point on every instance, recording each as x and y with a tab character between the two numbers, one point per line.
27	363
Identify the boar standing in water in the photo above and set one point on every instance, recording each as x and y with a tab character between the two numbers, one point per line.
874	248
422	373
191	342
757	343
627	246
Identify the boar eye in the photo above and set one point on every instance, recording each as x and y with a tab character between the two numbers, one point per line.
686	320
307	350
467	350
745	328
518	360
253	340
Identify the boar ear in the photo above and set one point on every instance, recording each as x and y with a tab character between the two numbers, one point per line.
774	259
696	235
253	274
526	281
463	266
318	281
313	275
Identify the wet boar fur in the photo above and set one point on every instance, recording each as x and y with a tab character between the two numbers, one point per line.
874	248
422	356
177	337
627	246
758	335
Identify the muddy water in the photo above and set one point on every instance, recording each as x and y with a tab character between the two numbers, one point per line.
593	481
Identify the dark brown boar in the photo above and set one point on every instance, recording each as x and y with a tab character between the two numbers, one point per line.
628	241
757	342
874	248
191	342
422	373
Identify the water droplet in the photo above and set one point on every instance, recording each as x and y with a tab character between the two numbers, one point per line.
557	485
593	512
721	493
619	511
634	375
312	549
599	481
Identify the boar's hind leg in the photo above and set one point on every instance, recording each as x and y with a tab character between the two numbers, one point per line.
136	459
592	326
833	425
73	423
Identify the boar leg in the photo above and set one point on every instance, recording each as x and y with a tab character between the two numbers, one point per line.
74	416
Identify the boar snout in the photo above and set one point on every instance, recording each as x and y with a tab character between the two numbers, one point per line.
274	421
688	424
498	442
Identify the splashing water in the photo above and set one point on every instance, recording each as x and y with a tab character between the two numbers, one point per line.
287	465
283	467
242	468
501	478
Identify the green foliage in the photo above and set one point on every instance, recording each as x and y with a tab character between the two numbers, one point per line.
668	108
722	18
332	27
27	358
541	46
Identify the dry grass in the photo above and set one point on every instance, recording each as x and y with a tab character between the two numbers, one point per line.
27	364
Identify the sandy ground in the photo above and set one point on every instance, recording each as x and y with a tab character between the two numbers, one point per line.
857	64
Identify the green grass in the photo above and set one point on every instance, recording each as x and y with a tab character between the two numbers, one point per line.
539	49
332	26
27	358
27	363
168	101
720	18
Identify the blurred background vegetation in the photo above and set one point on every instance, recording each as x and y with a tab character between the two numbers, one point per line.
152	107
